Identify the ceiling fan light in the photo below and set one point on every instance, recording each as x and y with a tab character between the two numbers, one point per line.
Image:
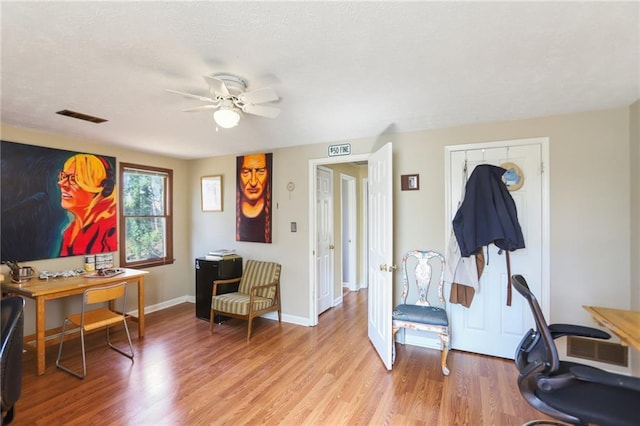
227	118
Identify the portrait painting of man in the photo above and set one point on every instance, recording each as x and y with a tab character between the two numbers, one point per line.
253	198
56	203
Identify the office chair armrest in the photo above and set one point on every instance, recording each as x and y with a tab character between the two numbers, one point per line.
531	368
594	375
536	371
559	330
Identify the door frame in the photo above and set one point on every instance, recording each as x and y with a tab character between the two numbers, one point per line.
313	164
545	298
364	252
351	222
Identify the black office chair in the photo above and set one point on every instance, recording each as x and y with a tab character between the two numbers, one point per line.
567	391
12	309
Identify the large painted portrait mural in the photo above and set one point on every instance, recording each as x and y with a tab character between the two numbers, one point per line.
253	198
56	203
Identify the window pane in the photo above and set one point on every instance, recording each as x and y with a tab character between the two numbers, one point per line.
143	194
145	216
145	238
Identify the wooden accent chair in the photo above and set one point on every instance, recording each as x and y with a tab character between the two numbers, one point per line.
94	319
422	315
258	293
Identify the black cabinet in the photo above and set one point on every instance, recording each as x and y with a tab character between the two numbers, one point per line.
207	271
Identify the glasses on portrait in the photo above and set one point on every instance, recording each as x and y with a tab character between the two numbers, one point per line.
69	177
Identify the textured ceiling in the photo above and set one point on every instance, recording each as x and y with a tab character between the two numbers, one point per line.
344	70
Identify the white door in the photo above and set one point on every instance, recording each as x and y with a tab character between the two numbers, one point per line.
349	231
324	250
381	252
489	326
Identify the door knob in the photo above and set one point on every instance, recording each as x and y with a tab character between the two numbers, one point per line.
393	268
331	246
383	267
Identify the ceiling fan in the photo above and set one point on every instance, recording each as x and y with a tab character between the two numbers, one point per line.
228	98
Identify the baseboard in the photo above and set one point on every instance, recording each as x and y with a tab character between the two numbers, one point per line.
423	340
337	301
351	287
164	305
290	319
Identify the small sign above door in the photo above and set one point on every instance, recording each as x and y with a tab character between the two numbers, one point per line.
337	150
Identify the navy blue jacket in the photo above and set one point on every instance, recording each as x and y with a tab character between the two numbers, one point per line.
487	213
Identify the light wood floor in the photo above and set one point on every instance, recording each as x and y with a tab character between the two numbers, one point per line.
290	375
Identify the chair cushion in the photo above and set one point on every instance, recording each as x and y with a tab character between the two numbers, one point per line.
421	314
238	303
259	273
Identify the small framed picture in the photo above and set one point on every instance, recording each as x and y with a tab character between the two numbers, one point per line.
211	193
410	182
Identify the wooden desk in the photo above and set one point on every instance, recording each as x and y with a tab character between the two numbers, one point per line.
43	290
624	324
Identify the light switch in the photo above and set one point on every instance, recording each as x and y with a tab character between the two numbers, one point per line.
294	227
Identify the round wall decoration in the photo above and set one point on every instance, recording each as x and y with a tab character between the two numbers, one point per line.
513	178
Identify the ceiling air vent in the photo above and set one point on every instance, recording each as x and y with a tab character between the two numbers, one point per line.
81	116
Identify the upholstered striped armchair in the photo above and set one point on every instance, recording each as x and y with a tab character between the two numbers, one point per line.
258	293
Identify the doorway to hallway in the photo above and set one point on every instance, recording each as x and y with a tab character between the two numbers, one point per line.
339	231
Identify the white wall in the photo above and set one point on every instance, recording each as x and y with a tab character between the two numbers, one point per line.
217	230
164	283
592	203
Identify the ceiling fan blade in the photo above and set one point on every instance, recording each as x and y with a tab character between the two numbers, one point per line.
189	95
259	96
261	110
216	86
201	108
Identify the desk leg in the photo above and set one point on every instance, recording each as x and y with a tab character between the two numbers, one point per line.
40	335
140	307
